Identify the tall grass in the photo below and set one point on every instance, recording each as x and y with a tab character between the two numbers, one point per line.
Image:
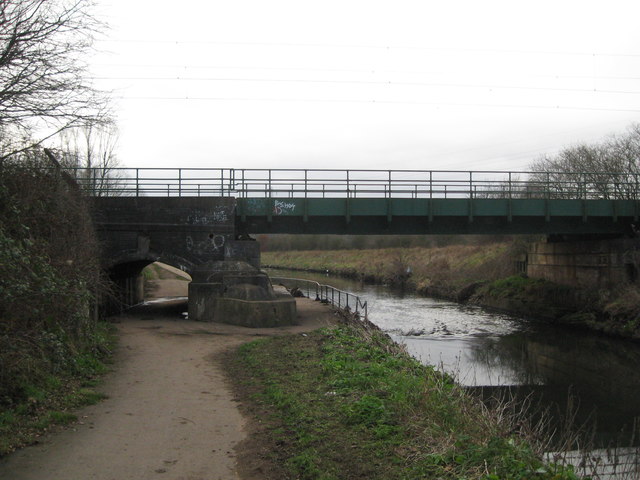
442	271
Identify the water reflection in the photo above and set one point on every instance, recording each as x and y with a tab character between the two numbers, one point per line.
600	373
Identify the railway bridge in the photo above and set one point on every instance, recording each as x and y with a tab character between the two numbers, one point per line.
187	217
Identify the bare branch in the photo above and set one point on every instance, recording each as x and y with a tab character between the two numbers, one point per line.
607	170
43	80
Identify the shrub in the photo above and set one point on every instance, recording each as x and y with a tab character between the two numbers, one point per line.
49	275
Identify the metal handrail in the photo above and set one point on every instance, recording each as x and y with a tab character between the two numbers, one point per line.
327	183
326	293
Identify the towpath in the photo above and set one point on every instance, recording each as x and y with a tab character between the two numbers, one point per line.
170	414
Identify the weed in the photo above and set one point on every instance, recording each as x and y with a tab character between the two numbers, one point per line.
84	396
46	402
347	402
62	418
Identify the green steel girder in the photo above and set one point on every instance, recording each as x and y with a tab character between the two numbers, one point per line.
441	216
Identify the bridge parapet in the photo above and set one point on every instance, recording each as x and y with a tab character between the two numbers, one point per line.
334	183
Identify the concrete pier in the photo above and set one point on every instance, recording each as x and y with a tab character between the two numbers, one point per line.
237	293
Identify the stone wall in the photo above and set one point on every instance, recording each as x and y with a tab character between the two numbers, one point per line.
180	231
585	264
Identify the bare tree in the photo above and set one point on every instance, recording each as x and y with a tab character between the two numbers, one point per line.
90	155
43	81
608	169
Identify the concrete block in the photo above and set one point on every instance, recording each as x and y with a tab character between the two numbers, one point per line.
202	300
257	314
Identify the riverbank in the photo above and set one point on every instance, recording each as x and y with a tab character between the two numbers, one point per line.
337	402
321	400
485	275
347	402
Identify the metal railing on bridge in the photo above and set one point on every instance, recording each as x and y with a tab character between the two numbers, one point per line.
327	183
326	293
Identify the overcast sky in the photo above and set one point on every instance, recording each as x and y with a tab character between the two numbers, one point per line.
366	84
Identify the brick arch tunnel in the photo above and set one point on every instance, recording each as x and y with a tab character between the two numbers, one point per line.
184	233
128	282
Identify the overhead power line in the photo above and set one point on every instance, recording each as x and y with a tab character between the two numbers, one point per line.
373	82
379	102
377	47
369	71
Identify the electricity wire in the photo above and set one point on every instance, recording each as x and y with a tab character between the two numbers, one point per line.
372	82
378	102
376	47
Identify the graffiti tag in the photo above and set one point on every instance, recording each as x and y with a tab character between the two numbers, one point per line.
205	247
218	215
280	208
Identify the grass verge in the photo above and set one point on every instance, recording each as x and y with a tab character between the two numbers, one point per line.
346	402
51	401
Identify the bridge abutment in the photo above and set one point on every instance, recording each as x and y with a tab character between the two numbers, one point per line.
587	264
197	235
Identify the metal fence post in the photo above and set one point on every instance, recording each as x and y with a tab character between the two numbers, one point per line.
548	186
430	184
347	183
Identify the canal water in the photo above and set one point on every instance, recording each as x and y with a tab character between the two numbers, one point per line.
593	378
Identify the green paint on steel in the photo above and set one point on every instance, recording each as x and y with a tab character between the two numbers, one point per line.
392	215
337	207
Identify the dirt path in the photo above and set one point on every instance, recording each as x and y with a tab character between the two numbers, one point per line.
170	414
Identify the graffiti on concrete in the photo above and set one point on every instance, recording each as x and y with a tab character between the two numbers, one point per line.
212	244
220	214
283	208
